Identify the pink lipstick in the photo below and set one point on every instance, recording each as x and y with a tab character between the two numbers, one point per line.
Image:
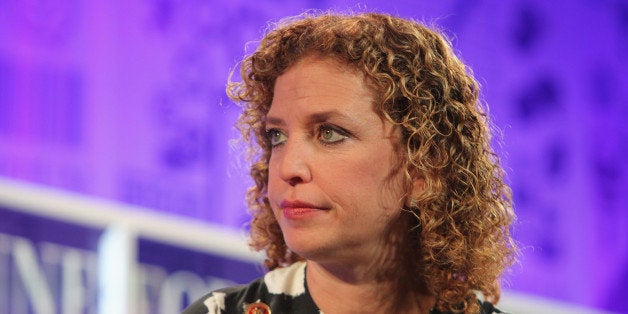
298	210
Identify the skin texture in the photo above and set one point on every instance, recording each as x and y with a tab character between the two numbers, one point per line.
331	185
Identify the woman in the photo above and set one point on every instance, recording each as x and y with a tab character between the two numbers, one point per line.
376	190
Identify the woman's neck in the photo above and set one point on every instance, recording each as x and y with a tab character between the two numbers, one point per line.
357	289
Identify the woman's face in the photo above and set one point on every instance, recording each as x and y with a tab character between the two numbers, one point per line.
333	183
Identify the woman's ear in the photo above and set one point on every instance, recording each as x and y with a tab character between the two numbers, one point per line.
418	186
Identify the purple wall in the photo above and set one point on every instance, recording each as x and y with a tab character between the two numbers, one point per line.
126	101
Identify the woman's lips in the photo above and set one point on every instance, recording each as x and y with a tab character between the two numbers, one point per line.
299	210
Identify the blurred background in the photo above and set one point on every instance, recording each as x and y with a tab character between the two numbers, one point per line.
123	102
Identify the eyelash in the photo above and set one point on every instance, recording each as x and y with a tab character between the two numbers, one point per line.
344	134
329	127
269	136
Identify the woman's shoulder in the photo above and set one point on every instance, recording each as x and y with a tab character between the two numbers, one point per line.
485	308
223	300
282	290
488	308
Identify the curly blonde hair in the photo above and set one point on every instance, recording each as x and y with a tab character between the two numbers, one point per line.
460	242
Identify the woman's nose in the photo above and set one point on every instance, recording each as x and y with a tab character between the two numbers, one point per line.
293	163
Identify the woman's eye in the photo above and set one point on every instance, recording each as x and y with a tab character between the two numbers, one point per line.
275	137
330	134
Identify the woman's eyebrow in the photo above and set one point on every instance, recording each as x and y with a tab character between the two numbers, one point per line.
326	115
274	121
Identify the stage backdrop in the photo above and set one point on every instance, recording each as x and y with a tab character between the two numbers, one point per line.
125	100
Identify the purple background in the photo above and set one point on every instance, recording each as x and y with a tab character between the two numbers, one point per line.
125	100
